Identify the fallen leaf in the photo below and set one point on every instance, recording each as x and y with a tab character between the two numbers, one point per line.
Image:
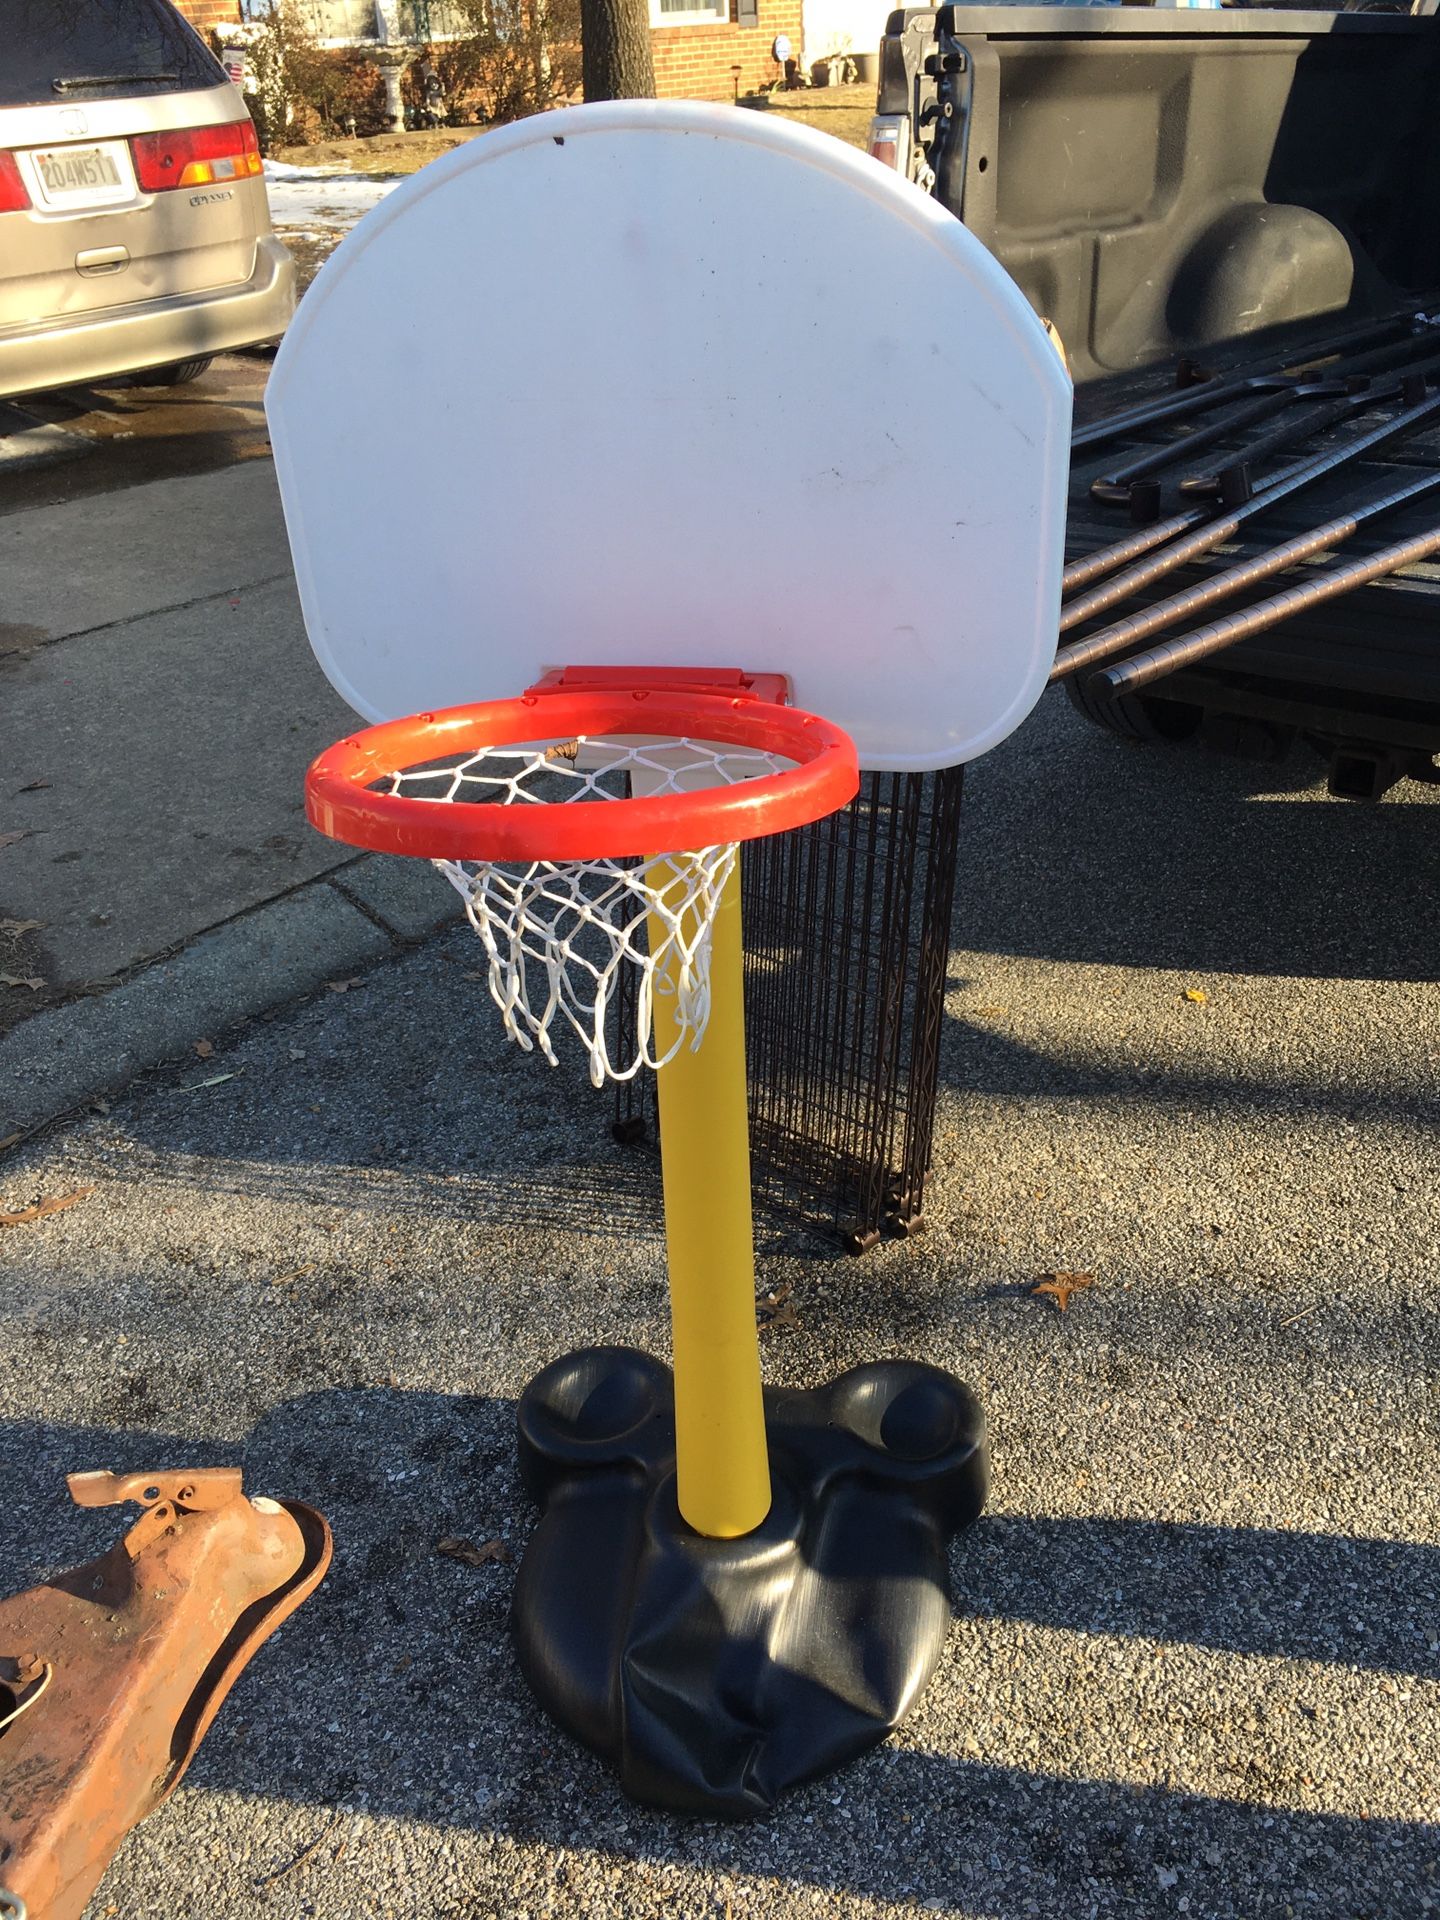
10	1140
777	1309
30	980
1197	996
21	926
1062	1285
454	1548
295	1273
54	1203
215	1080
204	1048
991	1012
9	839
35	786
343	986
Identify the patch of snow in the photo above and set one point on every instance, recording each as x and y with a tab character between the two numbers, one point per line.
281	170
308	198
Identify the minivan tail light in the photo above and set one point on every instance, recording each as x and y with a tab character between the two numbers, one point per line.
890	141
195	156
13	195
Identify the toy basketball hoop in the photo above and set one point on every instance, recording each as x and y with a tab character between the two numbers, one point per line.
644	493
565	895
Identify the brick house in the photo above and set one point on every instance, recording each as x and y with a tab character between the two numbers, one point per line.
703	49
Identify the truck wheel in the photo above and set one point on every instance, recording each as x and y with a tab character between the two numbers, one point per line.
1134	716
178	375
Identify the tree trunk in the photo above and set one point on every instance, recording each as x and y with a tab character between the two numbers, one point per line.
540	29
615	50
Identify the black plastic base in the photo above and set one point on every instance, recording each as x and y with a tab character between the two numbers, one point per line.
714	1674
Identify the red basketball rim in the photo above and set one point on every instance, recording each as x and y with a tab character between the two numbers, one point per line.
339	800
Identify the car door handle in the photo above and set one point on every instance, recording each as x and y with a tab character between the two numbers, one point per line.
102	260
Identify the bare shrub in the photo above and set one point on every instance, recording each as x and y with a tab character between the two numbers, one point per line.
331	86
523	57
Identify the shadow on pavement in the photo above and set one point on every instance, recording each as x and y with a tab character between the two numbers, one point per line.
1292	1596
394	1690
619	1194
980	1061
1075	847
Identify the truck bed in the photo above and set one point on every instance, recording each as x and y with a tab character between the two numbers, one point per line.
1185	194
1360	676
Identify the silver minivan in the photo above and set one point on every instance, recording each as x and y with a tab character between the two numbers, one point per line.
135	235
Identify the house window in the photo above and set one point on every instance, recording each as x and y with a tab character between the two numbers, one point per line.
688	13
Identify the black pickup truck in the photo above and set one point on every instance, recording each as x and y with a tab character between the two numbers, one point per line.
1231	219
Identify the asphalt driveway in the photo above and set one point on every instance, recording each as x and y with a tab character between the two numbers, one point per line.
1195	1665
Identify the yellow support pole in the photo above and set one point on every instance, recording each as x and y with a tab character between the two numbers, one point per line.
722	1467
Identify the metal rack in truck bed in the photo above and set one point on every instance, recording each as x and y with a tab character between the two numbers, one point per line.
1232	221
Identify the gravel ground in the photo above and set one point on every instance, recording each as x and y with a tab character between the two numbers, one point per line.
1195	1666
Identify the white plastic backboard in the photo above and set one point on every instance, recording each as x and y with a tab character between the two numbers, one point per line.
662	383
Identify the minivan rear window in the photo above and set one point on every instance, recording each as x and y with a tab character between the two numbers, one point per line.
58	50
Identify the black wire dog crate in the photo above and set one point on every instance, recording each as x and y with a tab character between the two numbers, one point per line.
847	934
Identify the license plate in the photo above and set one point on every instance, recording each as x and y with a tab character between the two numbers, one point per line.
73	177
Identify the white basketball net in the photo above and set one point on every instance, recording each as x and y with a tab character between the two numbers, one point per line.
557	934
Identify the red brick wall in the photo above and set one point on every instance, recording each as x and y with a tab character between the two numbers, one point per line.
691	62
695	62
205	14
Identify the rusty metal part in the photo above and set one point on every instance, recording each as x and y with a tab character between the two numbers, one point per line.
1095	647
111	1674
1128	676
1213	533
1090	566
200	1490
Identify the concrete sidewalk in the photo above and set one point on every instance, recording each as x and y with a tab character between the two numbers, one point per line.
161	706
